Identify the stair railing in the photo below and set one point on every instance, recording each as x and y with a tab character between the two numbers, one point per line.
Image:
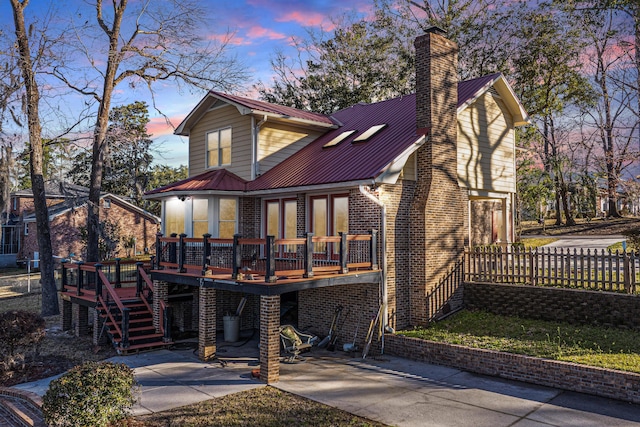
143	283
103	284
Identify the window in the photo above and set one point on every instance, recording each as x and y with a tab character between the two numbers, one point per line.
281	218
15	203
329	216
219	148
174	210
106	203
370	132
227	215
338	139
26	228
200	217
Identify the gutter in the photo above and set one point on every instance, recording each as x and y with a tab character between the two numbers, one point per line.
364	190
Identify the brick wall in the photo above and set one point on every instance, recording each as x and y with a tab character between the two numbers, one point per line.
360	303
567	305
482	220
563	375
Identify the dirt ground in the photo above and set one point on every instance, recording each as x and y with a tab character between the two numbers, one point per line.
595	227
58	351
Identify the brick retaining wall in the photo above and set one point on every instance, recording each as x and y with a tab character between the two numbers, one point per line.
564	375
567	305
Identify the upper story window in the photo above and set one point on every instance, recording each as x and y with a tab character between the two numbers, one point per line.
106	203
219	148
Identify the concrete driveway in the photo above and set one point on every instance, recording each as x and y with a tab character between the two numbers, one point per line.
585	242
392	390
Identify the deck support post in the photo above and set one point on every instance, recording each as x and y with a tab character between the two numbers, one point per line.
270	273
207	323
206	253
82	320
64	281
80	283
182	254
308	256
160	293
67	315
344	253
167	316
237	256
138	279
156	265
269	338
374	249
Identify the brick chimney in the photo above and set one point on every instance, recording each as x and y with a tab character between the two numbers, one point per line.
439	208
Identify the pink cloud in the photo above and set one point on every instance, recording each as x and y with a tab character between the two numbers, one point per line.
232	39
158	126
260	32
307	19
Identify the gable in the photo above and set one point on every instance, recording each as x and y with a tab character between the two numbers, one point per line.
215	119
486	146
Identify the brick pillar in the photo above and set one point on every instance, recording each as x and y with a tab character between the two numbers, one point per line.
160	293
207	324
67	315
437	218
82	321
269	338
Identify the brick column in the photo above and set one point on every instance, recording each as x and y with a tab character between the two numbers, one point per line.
160	293
207	324
269	338
82	321
67	315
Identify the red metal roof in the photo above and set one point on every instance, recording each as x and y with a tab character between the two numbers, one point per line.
344	162
216	179
267	107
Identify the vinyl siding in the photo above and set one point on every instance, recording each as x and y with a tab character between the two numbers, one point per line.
486	147
240	140
278	141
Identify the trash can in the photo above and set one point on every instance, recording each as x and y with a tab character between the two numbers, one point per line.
231	328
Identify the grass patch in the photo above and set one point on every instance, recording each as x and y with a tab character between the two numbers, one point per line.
590	345
534	242
618	247
263	406
29	302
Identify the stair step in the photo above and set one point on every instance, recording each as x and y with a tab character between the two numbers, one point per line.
21	411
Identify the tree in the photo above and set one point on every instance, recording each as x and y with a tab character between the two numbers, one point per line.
144	43
549	82
359	62
161	175
36	155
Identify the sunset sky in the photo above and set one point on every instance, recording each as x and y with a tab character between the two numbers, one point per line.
260	27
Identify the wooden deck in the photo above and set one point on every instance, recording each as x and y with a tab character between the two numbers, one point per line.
259	286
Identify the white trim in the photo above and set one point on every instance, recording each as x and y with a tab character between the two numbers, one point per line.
391	172
507	95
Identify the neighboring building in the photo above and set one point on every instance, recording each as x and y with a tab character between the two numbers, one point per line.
67	204
433	172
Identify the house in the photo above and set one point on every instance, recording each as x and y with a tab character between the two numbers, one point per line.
67	205
367	209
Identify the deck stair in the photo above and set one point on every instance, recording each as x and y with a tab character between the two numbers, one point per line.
141	332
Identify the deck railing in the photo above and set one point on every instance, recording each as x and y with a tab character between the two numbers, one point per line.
90	279
270	258
584	269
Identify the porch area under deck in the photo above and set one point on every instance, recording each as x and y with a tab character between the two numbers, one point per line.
266	268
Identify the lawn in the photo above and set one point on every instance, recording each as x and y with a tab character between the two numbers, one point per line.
264	406
590	345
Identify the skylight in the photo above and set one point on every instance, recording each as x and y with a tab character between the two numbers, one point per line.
338	139
370	132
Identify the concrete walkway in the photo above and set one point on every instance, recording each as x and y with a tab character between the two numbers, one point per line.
391	390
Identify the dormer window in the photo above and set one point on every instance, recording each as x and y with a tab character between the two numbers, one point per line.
219	148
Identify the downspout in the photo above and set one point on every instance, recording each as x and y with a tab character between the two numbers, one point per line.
255	130
383	239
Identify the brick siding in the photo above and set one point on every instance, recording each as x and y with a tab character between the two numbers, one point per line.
564	375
